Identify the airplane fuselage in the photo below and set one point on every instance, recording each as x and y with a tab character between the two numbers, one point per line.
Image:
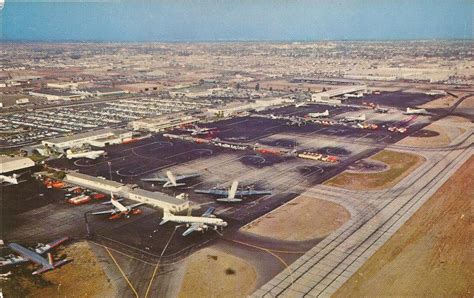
196	219
30	255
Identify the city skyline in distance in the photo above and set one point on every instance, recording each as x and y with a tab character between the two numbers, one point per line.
213	20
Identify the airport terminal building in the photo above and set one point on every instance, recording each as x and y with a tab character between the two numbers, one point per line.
154	199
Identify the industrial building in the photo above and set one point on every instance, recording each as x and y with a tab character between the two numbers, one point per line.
162	123
97	138
51	94
330	96
12	164
154	199
238	107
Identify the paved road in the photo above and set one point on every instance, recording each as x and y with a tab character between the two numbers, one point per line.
378	215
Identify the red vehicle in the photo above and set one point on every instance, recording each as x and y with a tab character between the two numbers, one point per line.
98	196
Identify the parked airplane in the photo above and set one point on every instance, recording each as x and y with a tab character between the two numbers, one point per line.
171	180
319	115
410	111
9	179
195	223
360	118
35	256
120	210
88	154
196	130
231	194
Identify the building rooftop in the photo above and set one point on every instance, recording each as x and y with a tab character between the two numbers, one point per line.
95	179
80	136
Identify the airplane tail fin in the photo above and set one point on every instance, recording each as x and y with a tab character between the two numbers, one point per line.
166	216
50	259
233	190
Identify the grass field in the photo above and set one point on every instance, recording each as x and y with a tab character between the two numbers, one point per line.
401	164
316	219
431	255
213	273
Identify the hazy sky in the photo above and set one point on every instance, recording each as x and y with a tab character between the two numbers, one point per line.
195	20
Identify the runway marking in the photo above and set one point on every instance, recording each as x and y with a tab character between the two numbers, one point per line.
121	271
159	260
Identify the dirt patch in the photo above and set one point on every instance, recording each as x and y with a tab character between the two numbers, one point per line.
431	255
83	277
401	164
315	219
213	273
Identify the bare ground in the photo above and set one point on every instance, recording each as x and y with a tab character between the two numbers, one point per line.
315	219
431	255
83	277
213	273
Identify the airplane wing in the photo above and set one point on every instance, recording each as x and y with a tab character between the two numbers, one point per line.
192	228
187	176
208	212
110	211
13	260
217	192
135	205
49	246
154	179
244	193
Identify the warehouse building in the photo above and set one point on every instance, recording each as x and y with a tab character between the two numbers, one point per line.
96	138
162	123
13	164
331	96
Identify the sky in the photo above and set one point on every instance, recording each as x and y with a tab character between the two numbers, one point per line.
217	20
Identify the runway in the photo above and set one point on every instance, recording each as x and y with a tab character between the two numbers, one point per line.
379	214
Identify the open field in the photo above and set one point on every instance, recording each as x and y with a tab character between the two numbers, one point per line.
213	273
83	277
312	218
431	255
401	164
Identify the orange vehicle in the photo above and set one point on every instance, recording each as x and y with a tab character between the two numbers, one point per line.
57	184
98	196
133	212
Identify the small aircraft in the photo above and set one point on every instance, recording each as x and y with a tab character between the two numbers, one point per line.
9	179
196	130
171	180
35	256
231	194
296	122
410	111
87	154
195	223
319	115
120	210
